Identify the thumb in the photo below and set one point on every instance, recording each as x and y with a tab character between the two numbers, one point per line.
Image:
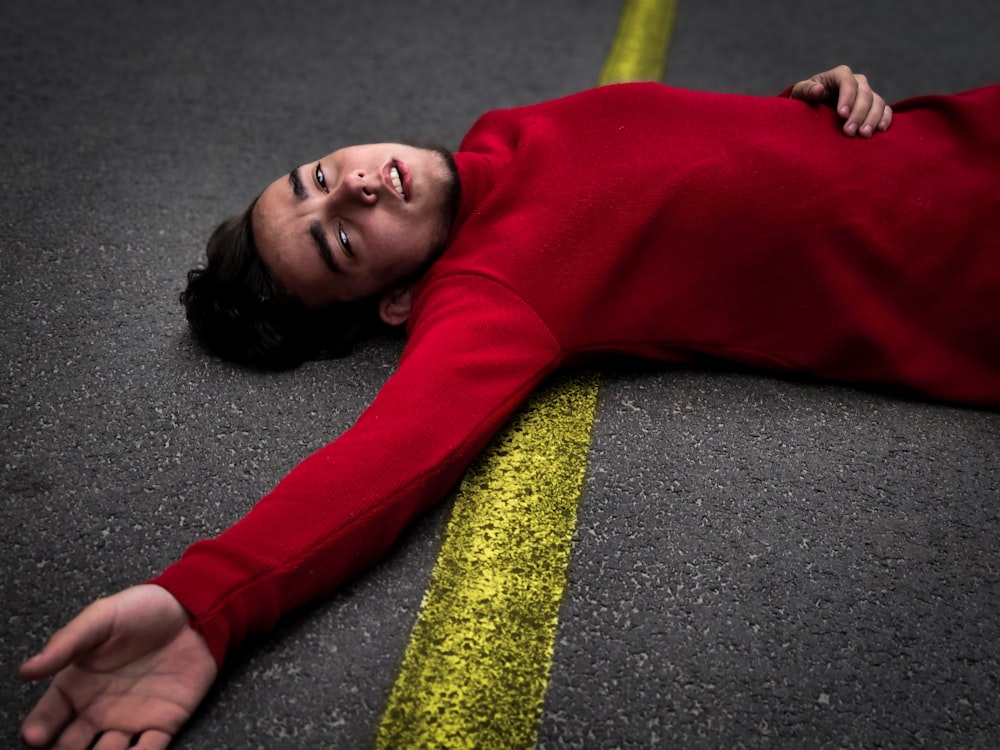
817	90
82	634
811	90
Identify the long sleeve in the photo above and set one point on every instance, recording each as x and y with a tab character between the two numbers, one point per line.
476	353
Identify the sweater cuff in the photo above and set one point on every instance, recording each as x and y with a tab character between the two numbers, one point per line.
221	619
216	637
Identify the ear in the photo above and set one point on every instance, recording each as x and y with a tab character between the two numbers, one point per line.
394	307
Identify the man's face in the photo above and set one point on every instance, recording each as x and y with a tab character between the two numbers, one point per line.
355	223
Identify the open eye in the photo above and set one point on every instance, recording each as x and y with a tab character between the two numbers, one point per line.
345	241
321	178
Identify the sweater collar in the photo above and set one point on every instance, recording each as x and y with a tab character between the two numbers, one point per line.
475	179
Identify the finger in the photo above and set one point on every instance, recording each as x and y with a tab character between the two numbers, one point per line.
852	105
810	90
862	105
874	117
113	740
48	716
886	121
82	633
77	736
153	740
840	80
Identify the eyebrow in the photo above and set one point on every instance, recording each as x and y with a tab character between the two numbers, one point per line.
323	246
298	187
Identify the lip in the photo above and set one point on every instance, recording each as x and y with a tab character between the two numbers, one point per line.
404	176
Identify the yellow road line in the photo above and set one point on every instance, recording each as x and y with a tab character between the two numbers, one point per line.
639	50
475	671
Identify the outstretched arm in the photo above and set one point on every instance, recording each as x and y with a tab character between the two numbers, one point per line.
133	664
863	110
128	666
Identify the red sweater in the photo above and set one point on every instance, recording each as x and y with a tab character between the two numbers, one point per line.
649	221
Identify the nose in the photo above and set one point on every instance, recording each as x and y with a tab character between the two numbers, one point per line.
362	186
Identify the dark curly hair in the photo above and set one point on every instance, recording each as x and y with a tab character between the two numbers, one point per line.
238	311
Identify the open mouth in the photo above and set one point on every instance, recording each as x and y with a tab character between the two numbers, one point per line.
397	181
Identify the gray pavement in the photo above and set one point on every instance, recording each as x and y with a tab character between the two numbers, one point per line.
759	562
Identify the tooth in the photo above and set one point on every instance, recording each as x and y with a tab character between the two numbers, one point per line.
396	181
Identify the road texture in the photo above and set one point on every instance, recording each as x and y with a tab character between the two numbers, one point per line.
758	562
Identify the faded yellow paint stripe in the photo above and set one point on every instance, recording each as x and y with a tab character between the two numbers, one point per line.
475	671
639	50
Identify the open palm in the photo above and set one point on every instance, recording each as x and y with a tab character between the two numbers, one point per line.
128	666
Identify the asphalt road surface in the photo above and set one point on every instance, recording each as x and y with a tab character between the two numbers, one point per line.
758	562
